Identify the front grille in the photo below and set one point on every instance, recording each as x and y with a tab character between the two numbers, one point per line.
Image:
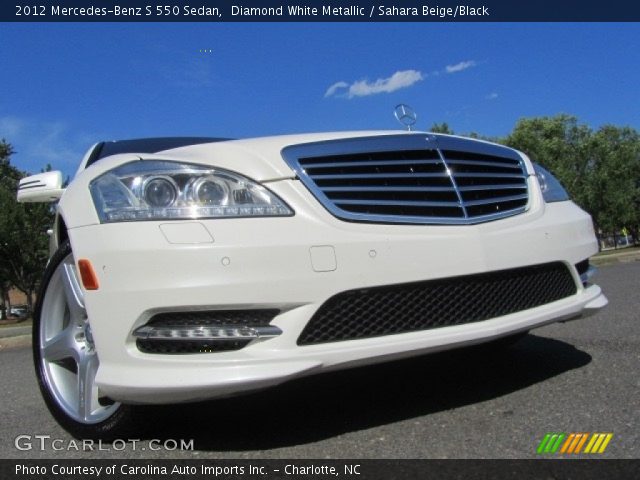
413	179
411	307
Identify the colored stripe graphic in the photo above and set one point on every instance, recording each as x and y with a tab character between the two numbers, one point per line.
573	443
568	442
592	442
582	440
551	442
576	439
604	445
598	443
543	443
555	447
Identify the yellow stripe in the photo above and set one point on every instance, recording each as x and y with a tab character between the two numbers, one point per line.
567	442
598	442
591	442
584	439
606	442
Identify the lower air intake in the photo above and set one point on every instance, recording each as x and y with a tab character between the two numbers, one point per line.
411	307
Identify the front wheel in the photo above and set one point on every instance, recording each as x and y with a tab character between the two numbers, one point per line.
66	360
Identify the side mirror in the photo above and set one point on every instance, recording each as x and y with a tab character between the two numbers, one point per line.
42	188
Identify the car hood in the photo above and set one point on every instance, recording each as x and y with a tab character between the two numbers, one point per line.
257	158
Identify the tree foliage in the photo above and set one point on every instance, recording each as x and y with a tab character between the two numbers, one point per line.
23	227
600	169
441	128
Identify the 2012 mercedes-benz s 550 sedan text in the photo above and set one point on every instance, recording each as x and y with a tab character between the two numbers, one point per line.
185	269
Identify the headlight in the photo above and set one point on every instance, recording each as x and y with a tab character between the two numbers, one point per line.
160	190
552	190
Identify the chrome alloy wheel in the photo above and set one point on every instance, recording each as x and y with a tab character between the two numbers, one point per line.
68	359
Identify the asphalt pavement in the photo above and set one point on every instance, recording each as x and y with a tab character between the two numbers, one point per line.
20	330
580	376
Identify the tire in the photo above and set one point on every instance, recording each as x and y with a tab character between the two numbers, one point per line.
65	357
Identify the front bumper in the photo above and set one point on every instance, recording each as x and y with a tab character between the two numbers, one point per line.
294	265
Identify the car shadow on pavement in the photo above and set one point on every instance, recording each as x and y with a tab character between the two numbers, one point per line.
326	405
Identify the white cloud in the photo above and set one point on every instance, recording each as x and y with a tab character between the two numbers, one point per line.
335	87
458	67
363	88
400	79
492	96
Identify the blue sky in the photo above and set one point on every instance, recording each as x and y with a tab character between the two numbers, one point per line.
66	86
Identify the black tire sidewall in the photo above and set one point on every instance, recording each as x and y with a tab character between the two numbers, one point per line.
114	426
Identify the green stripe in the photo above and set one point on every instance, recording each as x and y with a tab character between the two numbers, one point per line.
557	445
550	443
543	443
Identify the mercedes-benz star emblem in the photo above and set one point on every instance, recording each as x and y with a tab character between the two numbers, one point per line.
405	115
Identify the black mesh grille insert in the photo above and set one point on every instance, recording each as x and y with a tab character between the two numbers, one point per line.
196	346
259	317
417	306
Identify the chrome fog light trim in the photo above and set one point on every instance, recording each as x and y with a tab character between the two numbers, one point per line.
150	332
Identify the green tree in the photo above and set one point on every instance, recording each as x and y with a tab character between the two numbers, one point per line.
441	128
561	145
600	170
8	178
9	175
23	239
614	188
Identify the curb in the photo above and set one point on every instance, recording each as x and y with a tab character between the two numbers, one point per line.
613	258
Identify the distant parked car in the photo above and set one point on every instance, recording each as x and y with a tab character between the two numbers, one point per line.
20	311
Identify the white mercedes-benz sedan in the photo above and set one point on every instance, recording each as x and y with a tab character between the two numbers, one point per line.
185	269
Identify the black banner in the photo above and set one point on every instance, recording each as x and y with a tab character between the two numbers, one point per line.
318	11
319	469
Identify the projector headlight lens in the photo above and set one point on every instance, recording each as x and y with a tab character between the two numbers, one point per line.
209	191
160	191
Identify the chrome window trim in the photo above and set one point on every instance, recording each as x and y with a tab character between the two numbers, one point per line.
408	141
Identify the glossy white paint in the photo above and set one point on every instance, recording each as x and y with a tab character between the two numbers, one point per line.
293	264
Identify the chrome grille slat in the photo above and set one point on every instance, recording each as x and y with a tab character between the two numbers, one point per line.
407	203
389	188
413	178
484	164
488	175
512	198
378	175
369	163
474	188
